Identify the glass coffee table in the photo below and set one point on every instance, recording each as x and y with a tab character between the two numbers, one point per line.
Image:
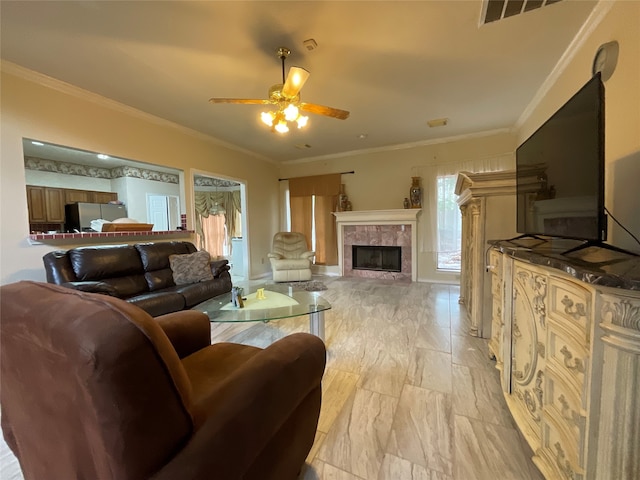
280	301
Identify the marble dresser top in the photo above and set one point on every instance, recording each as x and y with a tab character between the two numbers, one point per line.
593	265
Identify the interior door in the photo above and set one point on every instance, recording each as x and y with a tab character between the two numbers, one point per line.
163	211
158	212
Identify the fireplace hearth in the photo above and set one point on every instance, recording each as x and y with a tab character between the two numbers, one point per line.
378	258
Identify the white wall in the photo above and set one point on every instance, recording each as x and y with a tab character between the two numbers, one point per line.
34	107
58	180
137	190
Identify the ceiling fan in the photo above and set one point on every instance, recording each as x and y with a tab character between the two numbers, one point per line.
286	96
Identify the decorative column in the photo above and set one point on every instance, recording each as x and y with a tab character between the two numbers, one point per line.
488	205
619	412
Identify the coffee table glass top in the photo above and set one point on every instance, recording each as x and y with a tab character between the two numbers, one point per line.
280	301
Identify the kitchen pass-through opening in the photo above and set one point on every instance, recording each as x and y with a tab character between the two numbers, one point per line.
381	258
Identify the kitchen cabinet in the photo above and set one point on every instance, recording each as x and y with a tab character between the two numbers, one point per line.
46	205
104	197
77	196
569	352
36	204
88	196
54	201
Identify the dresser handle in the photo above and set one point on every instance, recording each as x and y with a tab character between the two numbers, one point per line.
576	310
577	363
568	413
562	463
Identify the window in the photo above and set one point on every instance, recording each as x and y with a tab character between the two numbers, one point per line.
449	225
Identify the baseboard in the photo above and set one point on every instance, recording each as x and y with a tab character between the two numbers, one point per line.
328	270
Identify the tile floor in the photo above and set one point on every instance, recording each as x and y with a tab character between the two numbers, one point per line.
407	393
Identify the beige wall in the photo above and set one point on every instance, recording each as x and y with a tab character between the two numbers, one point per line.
35	111
622	116
382	179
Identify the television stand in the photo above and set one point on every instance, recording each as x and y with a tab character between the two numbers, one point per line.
600	244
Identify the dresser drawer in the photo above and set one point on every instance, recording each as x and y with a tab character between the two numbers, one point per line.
568	356
570	304
560	451
564	403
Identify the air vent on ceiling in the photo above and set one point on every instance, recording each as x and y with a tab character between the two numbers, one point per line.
493	10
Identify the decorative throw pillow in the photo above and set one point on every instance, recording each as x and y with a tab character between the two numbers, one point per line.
191	268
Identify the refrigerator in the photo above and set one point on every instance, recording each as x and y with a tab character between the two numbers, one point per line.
78	216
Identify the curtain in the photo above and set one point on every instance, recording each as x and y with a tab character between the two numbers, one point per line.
428	229
311	217
214	235
230	201
326	235
302	218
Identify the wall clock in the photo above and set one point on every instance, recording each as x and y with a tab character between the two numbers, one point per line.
605	60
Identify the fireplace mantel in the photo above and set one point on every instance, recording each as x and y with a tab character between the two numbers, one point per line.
378	217
408	217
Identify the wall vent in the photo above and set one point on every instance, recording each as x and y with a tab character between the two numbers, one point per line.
493	10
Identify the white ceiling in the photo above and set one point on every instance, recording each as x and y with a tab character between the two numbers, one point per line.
393	64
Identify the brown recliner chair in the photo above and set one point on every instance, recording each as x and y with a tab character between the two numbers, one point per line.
95	388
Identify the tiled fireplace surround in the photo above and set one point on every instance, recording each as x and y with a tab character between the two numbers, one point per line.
378	227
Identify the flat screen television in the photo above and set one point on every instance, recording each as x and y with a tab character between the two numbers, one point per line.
560	171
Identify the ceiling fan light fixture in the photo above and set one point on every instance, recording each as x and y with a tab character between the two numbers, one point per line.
286	97
302	121
267	118
281	127
295	80
291	113
279	119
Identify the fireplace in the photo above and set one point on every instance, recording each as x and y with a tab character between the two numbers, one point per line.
379	258
379	228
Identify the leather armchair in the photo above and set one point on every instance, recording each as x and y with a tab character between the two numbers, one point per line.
290	257
94	387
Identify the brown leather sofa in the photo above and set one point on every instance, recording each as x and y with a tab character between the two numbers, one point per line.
140	274
93	387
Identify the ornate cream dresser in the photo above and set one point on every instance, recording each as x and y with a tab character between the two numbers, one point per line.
566	337
488	205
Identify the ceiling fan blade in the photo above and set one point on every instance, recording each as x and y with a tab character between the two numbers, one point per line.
253	101
322	110
295	80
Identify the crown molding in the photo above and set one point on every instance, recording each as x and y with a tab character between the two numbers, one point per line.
82	94
598	13
403	146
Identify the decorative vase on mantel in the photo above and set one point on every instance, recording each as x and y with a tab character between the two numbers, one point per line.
344	205
415	193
